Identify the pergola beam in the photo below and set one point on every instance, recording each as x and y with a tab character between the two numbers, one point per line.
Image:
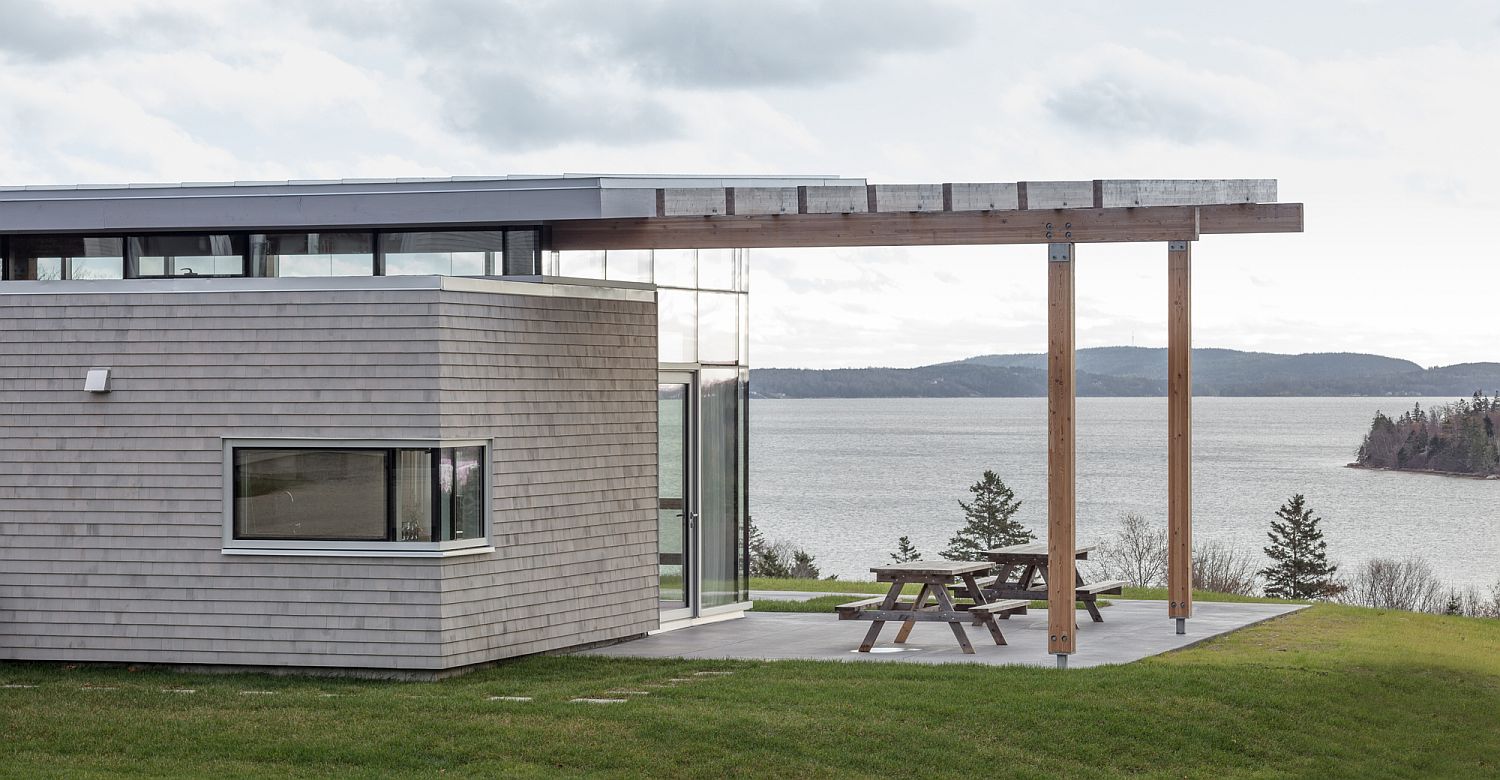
926	228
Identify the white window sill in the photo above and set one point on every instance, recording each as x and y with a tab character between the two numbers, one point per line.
368	553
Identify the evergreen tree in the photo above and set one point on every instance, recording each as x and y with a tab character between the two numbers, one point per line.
803	566
906	552
988	521
1299	568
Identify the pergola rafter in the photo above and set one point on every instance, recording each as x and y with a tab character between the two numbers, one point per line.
1058	214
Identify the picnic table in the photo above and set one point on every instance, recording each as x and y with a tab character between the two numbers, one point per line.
1021	573
934	580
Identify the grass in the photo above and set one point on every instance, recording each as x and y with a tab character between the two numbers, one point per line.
1327	692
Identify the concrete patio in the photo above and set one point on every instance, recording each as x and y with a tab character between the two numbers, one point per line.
1132	630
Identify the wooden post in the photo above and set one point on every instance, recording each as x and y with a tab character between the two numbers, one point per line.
1180	432
1061	471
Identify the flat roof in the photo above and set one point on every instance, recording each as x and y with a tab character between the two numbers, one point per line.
367	203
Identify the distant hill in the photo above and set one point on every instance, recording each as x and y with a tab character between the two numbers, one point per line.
1136	371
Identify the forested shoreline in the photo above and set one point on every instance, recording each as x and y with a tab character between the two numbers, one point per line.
1458	438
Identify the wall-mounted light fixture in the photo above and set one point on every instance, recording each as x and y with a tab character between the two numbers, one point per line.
97	380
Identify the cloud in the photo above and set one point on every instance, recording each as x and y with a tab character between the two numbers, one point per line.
1113	106
510	111
41	32
770	43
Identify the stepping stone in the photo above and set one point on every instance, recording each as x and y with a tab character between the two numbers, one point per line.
680	680
17	686
179	690
598	701
97	688
711	674
257	693
508	698
628	693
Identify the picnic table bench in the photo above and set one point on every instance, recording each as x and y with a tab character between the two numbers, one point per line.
1021	573
934	580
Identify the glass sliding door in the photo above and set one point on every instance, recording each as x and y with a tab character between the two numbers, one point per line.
676	494
722	524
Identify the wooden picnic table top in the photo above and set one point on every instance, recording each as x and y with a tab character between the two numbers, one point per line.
1033	550
929	569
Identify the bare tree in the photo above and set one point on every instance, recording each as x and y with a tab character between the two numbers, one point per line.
1386	583
1220	568
1137	553
1471	602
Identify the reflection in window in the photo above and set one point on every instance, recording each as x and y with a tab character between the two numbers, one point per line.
313	254
677	267
586	264
461	477
523	252
66	257
455	253
360	495
628	265
208	255
718	327
716	269
677	326
310	494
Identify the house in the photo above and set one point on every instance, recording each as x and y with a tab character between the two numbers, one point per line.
419	425
361	424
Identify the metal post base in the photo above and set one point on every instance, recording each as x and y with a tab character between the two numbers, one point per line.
1062	661
1181	626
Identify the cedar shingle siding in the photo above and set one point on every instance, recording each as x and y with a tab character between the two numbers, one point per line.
111	505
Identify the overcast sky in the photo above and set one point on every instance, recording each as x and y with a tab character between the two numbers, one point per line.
1381	117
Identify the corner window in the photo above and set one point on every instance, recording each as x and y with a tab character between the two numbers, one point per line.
295	496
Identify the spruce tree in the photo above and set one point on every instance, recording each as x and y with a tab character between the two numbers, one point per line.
1299	568
906	552
988	521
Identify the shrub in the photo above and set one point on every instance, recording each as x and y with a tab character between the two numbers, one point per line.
1387	583
1220	568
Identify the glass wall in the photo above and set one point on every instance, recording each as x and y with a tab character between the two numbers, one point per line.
703	319
65	257
466	253
501	251
206	255
313	254
720	518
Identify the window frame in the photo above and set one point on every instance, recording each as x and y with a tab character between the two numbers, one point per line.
391	546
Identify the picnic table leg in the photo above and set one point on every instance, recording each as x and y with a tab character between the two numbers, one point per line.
946	604
887	605
1089	601
989	620
915	607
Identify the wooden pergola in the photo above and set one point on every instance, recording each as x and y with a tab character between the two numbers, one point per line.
1060	214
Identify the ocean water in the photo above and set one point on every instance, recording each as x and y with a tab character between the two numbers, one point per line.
845	478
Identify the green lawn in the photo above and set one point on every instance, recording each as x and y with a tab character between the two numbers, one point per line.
1328	692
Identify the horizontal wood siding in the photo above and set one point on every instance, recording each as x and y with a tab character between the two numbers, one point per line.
111	505
567	388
